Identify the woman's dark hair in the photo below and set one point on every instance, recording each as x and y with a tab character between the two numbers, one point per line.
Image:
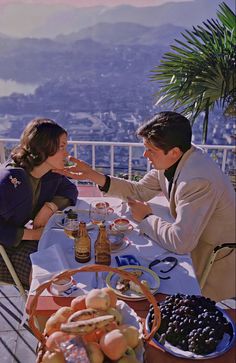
39	140
167	130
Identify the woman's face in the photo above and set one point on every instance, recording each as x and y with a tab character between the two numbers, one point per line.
57	161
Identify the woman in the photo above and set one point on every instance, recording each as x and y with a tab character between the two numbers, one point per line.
30	193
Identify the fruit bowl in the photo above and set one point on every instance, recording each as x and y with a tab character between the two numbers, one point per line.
193	327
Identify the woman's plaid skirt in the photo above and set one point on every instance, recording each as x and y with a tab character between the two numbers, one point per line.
20	259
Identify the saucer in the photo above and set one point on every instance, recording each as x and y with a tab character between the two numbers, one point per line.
114	229
118	242
89	225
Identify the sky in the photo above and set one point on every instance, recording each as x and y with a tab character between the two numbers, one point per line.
85	3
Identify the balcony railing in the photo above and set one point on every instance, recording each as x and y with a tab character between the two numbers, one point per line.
117	158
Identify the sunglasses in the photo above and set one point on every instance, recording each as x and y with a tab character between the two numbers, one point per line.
169	259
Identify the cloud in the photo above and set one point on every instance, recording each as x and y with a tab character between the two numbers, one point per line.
86	3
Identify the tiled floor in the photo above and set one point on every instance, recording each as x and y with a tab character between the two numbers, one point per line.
17	343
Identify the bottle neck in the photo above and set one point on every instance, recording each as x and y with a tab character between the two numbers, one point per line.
83	230
102	233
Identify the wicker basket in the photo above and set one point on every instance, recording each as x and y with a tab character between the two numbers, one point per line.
90	268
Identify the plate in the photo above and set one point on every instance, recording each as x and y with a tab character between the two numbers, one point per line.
224	345
150	276
89	225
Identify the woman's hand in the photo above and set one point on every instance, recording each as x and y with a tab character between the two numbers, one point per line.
81	171
42	217
138	209
32	234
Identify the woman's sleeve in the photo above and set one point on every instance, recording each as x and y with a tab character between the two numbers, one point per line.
68	191
61	202
10	235
13	189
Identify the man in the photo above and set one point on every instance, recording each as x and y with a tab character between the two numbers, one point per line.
201	199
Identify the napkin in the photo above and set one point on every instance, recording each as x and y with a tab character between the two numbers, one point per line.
125	260
51	260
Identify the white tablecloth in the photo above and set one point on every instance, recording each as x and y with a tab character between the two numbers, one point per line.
56	252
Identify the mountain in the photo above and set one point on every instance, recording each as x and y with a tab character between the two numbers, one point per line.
120	33
43	59
48	21
183	14
125	33
40	60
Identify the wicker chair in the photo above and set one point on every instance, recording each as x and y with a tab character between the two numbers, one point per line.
13	273
211	260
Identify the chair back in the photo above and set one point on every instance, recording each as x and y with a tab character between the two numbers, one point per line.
211	260
13	273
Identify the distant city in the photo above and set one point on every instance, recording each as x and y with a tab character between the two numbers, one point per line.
94	81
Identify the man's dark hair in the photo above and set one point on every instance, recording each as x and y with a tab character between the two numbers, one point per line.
167	130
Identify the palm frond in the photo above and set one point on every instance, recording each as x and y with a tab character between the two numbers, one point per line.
200	69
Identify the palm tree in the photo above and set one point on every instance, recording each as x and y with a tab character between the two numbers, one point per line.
201	72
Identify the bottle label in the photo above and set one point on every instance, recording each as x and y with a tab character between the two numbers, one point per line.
103	259
82	250
82	256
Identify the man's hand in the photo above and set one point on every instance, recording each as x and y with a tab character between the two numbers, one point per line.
138	209
81	171
42	217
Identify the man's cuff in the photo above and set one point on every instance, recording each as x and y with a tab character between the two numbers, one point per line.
147	215
106	186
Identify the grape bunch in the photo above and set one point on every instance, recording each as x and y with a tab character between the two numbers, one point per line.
191	323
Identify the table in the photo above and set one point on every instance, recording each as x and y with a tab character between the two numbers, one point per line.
47	304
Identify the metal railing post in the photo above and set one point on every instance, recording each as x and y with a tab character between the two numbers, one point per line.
2	152
93	157
112	161
130	162
222	148
224	160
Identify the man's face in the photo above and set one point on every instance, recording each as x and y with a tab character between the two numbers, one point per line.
157	157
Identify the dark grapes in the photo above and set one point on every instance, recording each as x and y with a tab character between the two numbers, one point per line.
191	323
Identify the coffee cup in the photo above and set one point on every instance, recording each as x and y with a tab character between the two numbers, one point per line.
121	224
62	284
